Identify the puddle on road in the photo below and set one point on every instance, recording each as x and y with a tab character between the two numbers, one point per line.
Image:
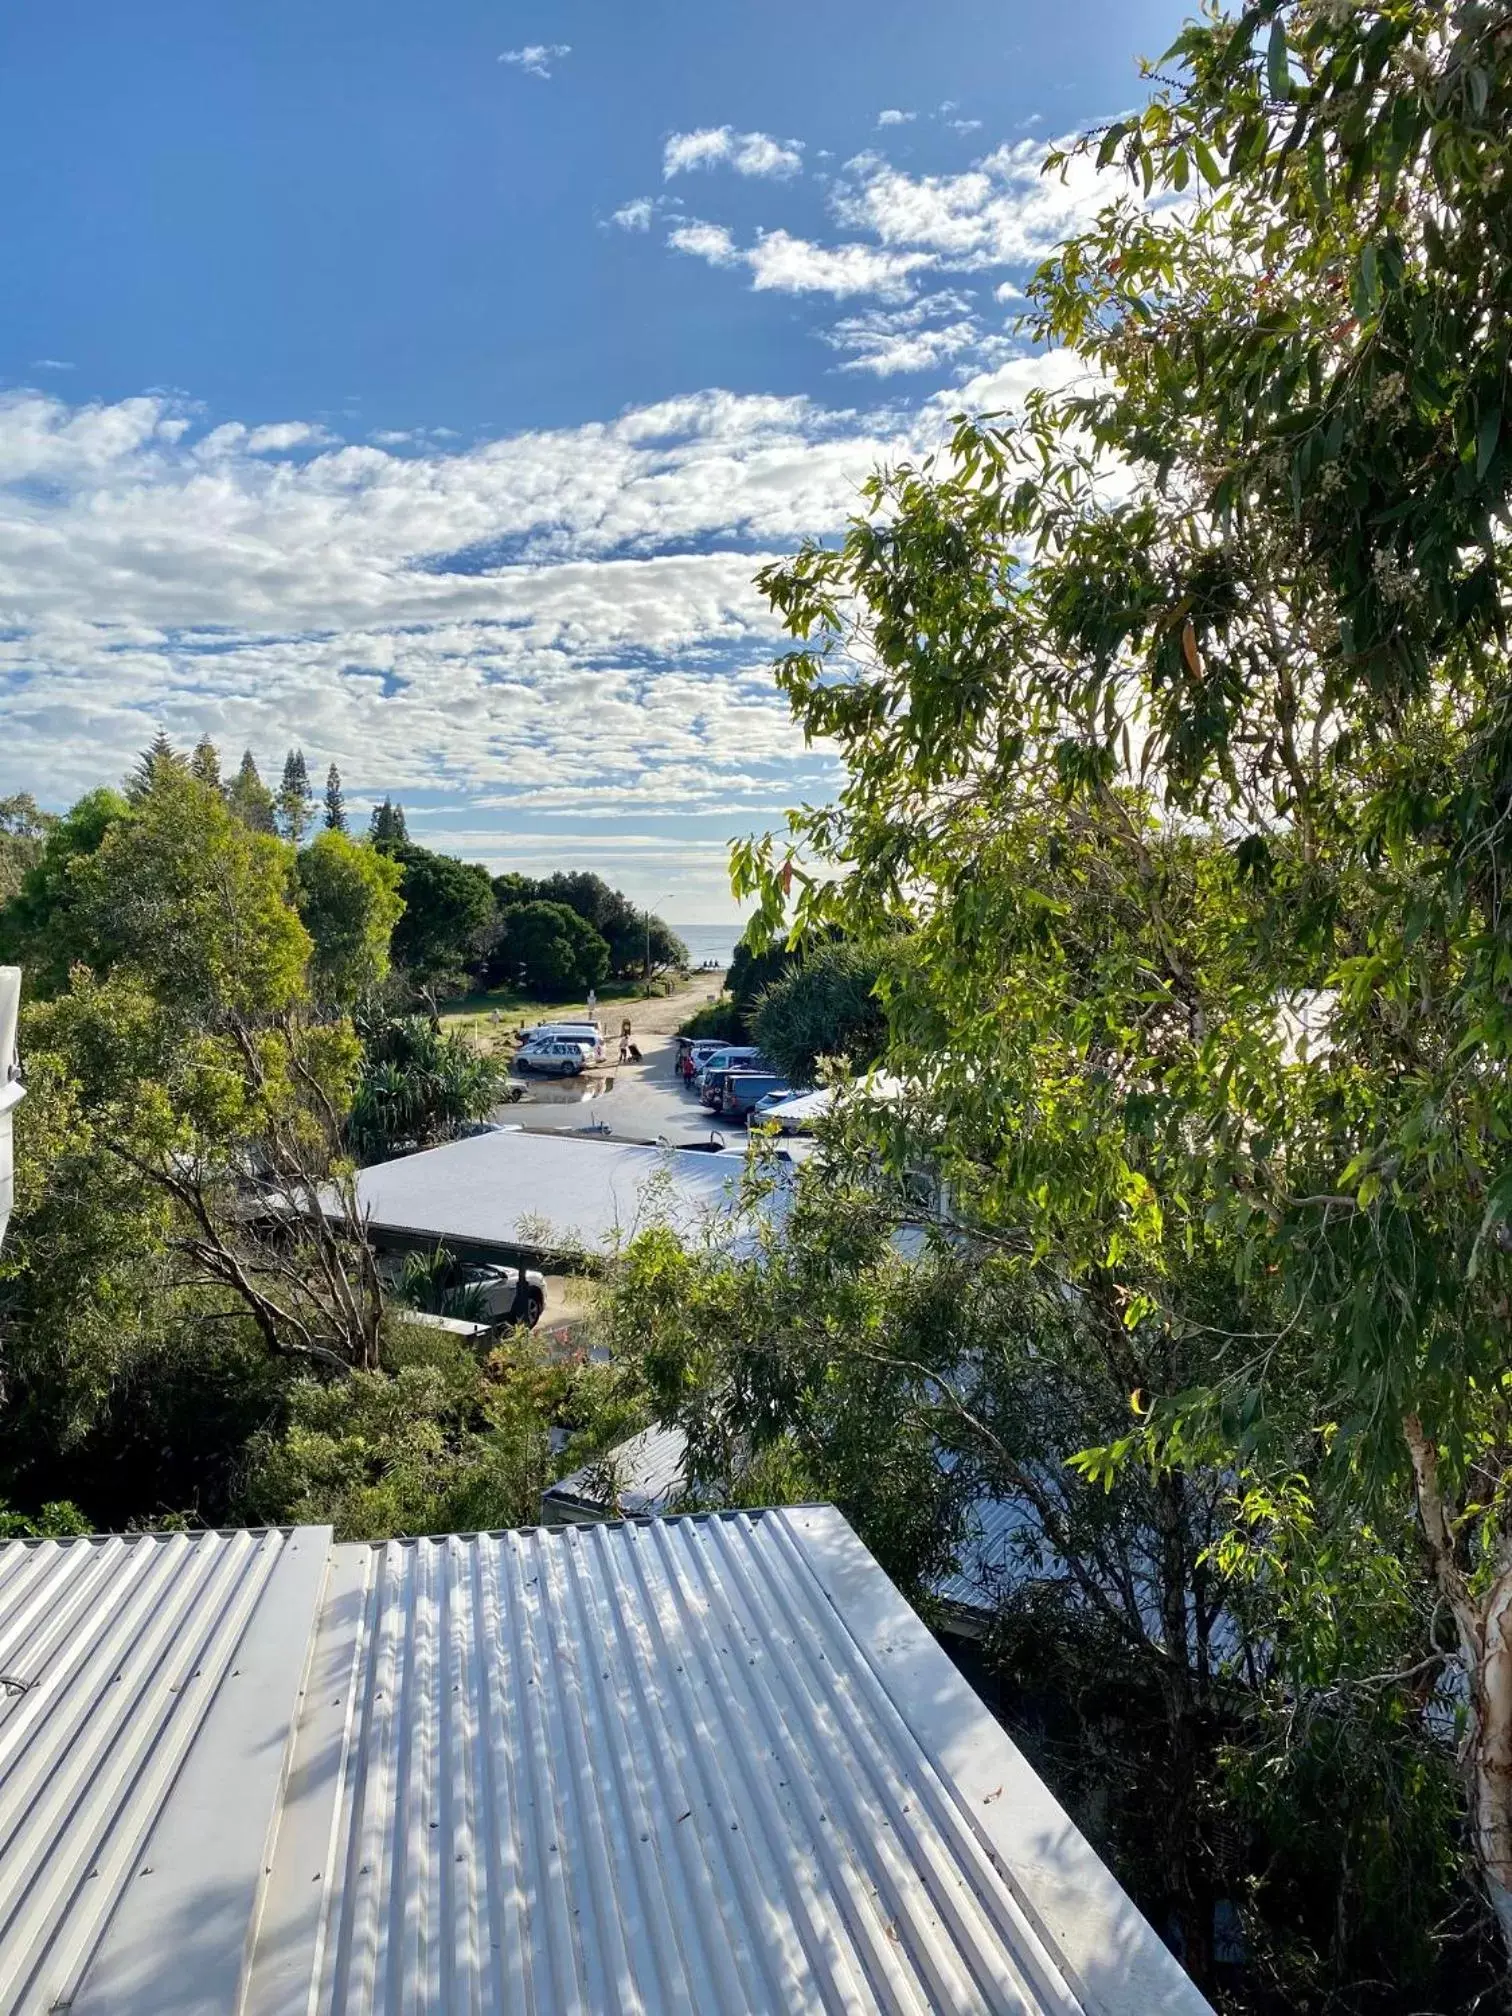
558	1091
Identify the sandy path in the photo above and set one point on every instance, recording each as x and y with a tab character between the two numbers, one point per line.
660	1017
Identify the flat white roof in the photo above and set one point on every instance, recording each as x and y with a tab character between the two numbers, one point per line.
546	1192
700	1765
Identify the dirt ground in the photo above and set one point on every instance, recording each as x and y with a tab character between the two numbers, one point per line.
657	1017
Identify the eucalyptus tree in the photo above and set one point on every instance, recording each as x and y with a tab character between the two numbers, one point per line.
1178	729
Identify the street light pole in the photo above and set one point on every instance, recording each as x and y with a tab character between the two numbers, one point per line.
665	895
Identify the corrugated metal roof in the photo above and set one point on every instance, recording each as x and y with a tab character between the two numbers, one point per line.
150	1684
639	1478
1001	1540
707	1764
647	1473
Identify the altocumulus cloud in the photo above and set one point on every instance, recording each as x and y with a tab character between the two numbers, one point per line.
554	623
781	263
721	146
1003	211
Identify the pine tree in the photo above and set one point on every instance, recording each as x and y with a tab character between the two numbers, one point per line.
205	763
159	755
251	799
387	827
335	814
295	805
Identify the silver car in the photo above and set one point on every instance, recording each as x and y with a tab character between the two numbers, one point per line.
556	1057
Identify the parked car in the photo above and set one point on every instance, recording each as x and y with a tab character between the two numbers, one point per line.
744	1090
505	1293
723	1059
715	1080
579	1032
500	1294
556	1057
469	1292
692	1051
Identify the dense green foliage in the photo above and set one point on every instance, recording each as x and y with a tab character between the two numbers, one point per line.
821	1000
637	944
34	924
250	798
418	1085
23	830
824	1006
448	912
295	802
753	969
718	1019
349	903
549	950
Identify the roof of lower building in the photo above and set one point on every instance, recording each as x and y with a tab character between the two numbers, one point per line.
546	1193
711	1764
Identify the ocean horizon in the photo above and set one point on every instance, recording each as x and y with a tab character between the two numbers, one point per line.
710	941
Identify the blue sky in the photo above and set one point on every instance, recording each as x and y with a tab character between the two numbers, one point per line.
423	384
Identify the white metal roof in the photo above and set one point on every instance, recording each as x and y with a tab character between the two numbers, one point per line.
701	1765
639	1478
545	1192
647	1474
804	1108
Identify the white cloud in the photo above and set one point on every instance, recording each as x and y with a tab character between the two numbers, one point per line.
893	117
282	435
536	58
722	146
1002	211
964	125
705	241
797	266
539	634
500	619
888	341
635	215
781	263
1007	384
52	364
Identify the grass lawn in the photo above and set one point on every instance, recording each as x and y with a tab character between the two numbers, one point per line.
515	1010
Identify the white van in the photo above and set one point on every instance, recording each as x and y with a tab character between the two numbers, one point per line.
723	1060
577	1032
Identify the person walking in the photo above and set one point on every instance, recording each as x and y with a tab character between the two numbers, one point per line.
624	1054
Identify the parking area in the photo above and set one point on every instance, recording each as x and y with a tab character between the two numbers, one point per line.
643	1101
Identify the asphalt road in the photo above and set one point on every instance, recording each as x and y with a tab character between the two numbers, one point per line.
630	1102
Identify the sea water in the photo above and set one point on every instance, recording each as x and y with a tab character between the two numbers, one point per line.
709	941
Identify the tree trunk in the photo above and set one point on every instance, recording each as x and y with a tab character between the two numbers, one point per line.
1185	1871
1484	1627
1489	1754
